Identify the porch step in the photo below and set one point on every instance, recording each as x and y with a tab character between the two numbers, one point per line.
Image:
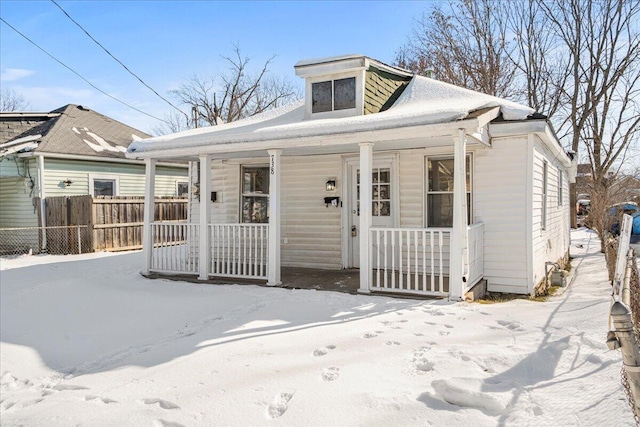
478	291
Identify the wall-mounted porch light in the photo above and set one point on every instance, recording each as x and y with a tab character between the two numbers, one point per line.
67	182
331	184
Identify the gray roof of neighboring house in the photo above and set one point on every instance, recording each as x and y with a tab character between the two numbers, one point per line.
77	130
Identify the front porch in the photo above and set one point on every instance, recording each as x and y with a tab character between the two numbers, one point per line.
402	260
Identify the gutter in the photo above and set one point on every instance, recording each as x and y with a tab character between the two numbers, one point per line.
95	159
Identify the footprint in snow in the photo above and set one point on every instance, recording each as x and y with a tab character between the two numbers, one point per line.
165	423
448	326
370	335
99	399
62	387
279	405
164	404
392	343
330	374
444	333
323	351
511	325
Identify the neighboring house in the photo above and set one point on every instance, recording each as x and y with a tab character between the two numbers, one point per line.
369	171
70	151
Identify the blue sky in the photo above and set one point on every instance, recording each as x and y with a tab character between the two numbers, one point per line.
166	42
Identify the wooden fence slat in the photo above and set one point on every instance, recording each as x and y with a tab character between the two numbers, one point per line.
114	223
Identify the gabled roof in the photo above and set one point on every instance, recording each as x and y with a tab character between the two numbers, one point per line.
424	102
76	130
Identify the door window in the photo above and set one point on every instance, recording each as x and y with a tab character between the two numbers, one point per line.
380	192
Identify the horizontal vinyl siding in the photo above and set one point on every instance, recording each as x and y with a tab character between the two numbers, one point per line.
312	229
131	178
553	242
411	186
500	201
16	204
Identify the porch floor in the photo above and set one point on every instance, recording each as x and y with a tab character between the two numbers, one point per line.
347	281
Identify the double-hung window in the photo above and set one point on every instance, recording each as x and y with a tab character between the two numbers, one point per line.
440	191
255	194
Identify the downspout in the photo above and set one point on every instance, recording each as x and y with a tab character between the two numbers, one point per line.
41	195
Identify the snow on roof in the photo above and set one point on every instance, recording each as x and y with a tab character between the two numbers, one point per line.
325	59
424	101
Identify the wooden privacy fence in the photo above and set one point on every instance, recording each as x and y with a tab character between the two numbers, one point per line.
114	223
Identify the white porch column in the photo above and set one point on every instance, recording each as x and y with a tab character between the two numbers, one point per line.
274	218
204	254
149	211
459	237
366	171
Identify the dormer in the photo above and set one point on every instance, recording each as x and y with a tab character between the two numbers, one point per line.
349	85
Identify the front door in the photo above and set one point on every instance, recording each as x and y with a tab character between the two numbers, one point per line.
383	202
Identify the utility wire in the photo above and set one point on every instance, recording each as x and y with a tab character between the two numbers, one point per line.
116	59
79	75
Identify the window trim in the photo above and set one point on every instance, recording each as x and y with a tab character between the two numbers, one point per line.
427	192
348	112
545	181
261	165
104	177
560	187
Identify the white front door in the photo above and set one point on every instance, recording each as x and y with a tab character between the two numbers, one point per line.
383	202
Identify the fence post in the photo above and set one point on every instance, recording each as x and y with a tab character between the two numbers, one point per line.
625	339
79	242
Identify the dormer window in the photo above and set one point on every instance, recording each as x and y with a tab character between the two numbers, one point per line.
333	95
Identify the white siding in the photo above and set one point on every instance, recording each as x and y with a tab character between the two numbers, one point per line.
552	243
412	188
500	201
16	204
311	230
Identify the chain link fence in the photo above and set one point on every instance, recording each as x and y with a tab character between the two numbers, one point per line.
62	240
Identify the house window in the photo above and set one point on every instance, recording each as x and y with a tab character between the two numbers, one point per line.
255	194
103	185
560	189
544	194
380	192
182	189
333	95
440	192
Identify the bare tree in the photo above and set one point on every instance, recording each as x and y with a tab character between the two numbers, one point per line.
10	100
465	44
233	95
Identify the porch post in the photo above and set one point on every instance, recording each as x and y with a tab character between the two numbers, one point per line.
366	170
205	217
459	244
149	210
274	218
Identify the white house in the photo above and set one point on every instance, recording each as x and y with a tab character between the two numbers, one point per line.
426	187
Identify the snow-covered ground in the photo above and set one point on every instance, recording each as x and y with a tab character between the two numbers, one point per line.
87	341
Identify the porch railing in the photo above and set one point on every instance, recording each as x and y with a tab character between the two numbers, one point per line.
410	260
175	247
475	268
239	250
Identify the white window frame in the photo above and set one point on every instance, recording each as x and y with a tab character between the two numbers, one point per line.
101	177
427	192
560	187
349	112
243	194
545	181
